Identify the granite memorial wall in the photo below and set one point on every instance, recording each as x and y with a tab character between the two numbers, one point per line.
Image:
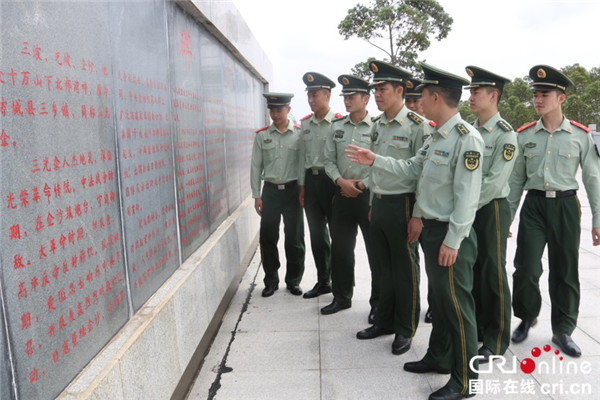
125	137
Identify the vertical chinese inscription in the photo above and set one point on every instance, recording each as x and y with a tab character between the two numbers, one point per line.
186	100
143	122
63	272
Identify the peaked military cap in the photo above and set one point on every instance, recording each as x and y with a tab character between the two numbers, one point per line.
412	91
481	77
546	78
277	100
385	72
437	77
351	85
315	80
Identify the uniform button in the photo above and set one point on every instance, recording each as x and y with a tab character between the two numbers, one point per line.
434	140
387	125
281	146
350	167
568	156
379	173
376	187
547	184
548	152
550	136
353	140
547	168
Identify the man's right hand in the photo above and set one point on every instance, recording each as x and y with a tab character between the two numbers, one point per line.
348	187
258	206
301	196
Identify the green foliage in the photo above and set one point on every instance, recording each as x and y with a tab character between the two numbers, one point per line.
582	104
399	28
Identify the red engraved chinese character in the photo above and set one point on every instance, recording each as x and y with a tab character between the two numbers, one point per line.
11	201
29	347
18	261
15	232
50	304
34	375
22	294
25	321
4	138
39	225
25	81
30	108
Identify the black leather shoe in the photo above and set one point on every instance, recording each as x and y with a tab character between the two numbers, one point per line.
317	290
428	316
372	332
522	330
371	319
294	289
486	353
269	290
334	307
448	393
420	367
401	344
566	344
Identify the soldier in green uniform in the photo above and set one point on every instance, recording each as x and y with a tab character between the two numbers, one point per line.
351	199
316	188
551	150
275	160
492	221
412	96
449	172
397	133
412	99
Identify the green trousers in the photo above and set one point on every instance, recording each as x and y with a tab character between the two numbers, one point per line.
318	195
490	285
348	215
277	203
557	223
453	339
396	259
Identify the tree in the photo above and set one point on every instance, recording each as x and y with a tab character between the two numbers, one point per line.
399	28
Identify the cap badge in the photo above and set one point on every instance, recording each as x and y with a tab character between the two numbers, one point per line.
541	73
374	67
409	85
310	78
345	81
470	73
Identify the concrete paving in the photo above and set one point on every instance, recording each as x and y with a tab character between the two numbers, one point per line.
281	347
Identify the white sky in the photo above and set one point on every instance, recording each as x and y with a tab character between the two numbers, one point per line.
507	37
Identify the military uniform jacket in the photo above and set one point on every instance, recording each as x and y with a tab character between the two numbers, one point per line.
274	156
345	132
399	138
314	135
499	155
549	161
449	172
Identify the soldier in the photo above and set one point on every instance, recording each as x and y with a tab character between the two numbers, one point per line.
351	199
412	96
275	160
492	221
448	167
412	99
397	133
316	189
551	149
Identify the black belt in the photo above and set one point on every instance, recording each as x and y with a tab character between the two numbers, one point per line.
282	186
551	194
392	196
315	171
433	223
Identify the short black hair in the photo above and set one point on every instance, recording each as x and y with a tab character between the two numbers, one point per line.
451	96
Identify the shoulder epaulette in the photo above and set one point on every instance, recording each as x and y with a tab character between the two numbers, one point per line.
262	129
306	117
339	118
375	119
580	126
432	124
461	129
298	126
338	115
415	118
521	129
504	126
